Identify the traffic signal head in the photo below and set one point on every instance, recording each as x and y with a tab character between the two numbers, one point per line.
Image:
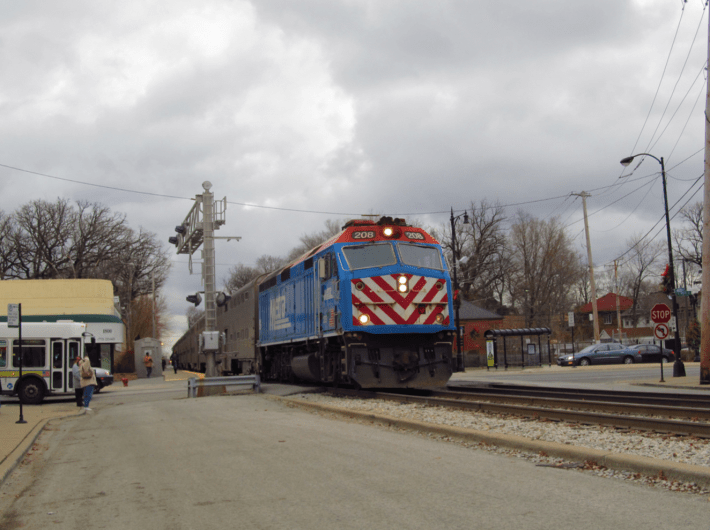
667	281
194	299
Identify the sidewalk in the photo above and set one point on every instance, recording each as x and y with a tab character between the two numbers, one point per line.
631	378
17	438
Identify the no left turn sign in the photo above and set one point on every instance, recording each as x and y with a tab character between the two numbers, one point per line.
661	331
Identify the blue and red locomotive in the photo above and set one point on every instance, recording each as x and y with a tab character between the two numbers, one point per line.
371	307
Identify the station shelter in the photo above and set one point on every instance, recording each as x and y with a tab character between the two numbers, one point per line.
518	347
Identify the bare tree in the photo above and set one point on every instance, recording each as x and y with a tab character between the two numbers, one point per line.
545	267
481	245
689	239
41	239
8	251
643	262
44	240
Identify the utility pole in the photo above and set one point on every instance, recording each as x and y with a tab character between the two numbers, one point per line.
152	281
595	313
705	297
618	304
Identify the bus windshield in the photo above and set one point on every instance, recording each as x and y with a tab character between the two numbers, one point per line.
420	256
366	256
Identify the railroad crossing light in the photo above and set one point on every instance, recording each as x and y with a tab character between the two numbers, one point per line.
194	299
222	298
173	240
180	229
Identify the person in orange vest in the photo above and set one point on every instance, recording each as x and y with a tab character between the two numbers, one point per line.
148	361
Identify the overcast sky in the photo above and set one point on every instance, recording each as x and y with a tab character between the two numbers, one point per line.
311	110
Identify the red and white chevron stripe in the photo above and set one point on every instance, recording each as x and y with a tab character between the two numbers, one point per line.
378	298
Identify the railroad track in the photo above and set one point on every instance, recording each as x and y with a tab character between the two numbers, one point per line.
570	407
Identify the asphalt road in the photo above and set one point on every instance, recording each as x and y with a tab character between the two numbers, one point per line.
155	460
591	375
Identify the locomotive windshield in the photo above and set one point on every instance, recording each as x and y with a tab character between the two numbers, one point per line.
366	256
420	256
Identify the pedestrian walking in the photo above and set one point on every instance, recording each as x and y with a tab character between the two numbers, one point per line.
76	374
88	382
174	361
148	361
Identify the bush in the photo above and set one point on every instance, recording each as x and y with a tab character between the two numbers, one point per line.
125	362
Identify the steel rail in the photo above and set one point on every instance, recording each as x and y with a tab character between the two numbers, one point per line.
676	399
571	401
556	414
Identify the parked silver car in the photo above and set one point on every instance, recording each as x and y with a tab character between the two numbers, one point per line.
605	353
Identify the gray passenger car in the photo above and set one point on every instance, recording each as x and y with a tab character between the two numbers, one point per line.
605	353
650	353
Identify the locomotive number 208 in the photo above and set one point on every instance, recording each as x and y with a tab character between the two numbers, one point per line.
367	234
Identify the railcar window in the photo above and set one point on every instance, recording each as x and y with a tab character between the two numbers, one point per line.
420	256
366	256
3	353
34	353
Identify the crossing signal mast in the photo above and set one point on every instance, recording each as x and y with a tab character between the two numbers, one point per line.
196	230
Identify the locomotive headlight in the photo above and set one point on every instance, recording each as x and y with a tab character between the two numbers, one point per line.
439	318
364	319
388	231
402	286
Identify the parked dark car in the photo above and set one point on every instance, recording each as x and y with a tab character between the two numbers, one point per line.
650	353
103	378
605	353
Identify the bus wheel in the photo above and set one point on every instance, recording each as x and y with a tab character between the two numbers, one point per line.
31	392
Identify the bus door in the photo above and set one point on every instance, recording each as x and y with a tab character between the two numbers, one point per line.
63	354
73	348
59	369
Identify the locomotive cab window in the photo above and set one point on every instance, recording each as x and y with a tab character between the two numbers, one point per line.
420	256
366	256
328	267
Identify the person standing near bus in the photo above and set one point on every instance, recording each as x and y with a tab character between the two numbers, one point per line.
148	361
88	382
76	374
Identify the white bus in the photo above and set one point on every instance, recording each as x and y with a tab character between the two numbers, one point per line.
48	353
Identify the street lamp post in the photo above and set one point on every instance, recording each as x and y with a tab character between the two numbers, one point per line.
678	366
457	301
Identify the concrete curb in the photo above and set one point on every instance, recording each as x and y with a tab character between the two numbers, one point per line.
620	462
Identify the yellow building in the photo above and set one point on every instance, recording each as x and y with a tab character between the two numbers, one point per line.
58	297
86	301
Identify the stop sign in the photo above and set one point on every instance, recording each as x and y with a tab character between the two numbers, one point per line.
660	314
